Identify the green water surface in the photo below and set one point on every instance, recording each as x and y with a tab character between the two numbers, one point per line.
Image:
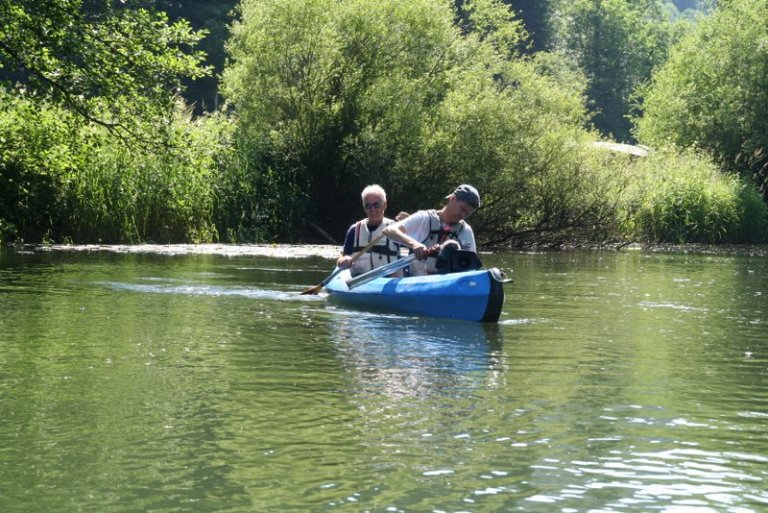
615	381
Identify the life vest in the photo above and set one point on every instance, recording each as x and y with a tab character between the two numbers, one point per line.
439	233
384	252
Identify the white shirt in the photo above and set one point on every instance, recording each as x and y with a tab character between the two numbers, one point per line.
418	226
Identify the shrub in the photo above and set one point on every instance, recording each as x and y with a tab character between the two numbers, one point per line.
61	179
684	198
130	194
36	159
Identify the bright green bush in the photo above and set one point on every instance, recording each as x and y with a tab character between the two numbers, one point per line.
712	93
523	148
684	198
62	180
125	193
36	157
335	95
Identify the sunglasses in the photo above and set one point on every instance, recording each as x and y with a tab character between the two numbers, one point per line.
369	206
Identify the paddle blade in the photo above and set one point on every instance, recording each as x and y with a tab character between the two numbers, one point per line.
312	290
319	286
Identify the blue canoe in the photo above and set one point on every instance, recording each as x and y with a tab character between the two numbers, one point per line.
470	296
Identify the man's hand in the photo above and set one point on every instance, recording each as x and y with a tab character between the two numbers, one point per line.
423	252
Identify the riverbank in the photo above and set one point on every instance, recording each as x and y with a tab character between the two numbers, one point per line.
330	252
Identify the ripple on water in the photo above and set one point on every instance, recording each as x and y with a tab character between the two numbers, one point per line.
207	290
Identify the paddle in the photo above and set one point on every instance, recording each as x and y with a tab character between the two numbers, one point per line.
386	269
315	289
380	271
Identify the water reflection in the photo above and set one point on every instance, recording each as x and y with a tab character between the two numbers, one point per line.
686	479
397	356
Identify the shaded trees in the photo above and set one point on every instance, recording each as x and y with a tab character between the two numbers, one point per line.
537	19
213	18
617	43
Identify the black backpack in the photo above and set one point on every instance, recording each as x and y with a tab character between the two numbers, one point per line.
454	260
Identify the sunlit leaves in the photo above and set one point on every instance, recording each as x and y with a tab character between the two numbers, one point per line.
713	91
112	64
414	96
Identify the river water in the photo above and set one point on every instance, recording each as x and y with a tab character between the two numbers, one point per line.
614	381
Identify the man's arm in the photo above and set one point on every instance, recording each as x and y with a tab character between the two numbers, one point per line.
467	238
344	260
402	232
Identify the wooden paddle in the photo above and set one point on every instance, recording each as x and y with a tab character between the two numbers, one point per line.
315	289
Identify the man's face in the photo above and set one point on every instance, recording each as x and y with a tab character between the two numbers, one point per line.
374	207
458	210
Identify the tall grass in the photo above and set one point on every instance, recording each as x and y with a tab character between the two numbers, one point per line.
63	180
683	197
125	194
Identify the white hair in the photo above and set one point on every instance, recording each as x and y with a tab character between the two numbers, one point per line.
374	189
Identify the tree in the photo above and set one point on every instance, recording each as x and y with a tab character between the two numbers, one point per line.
211	17
114	64
76	73
332	95
713	91
617	43
314	81
536	16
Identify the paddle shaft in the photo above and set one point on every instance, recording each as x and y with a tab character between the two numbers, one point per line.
315	289
380	271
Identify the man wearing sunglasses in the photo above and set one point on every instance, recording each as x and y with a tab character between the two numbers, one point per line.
361	233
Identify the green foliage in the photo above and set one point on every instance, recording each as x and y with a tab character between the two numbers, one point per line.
212	18
329	96
683	197
313	80
335	95
253	202
713	91
78	73
62	181
536	17
617	43
112	63
36	156
520	145
122	196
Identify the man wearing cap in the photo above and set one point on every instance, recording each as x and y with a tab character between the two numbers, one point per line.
424	229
